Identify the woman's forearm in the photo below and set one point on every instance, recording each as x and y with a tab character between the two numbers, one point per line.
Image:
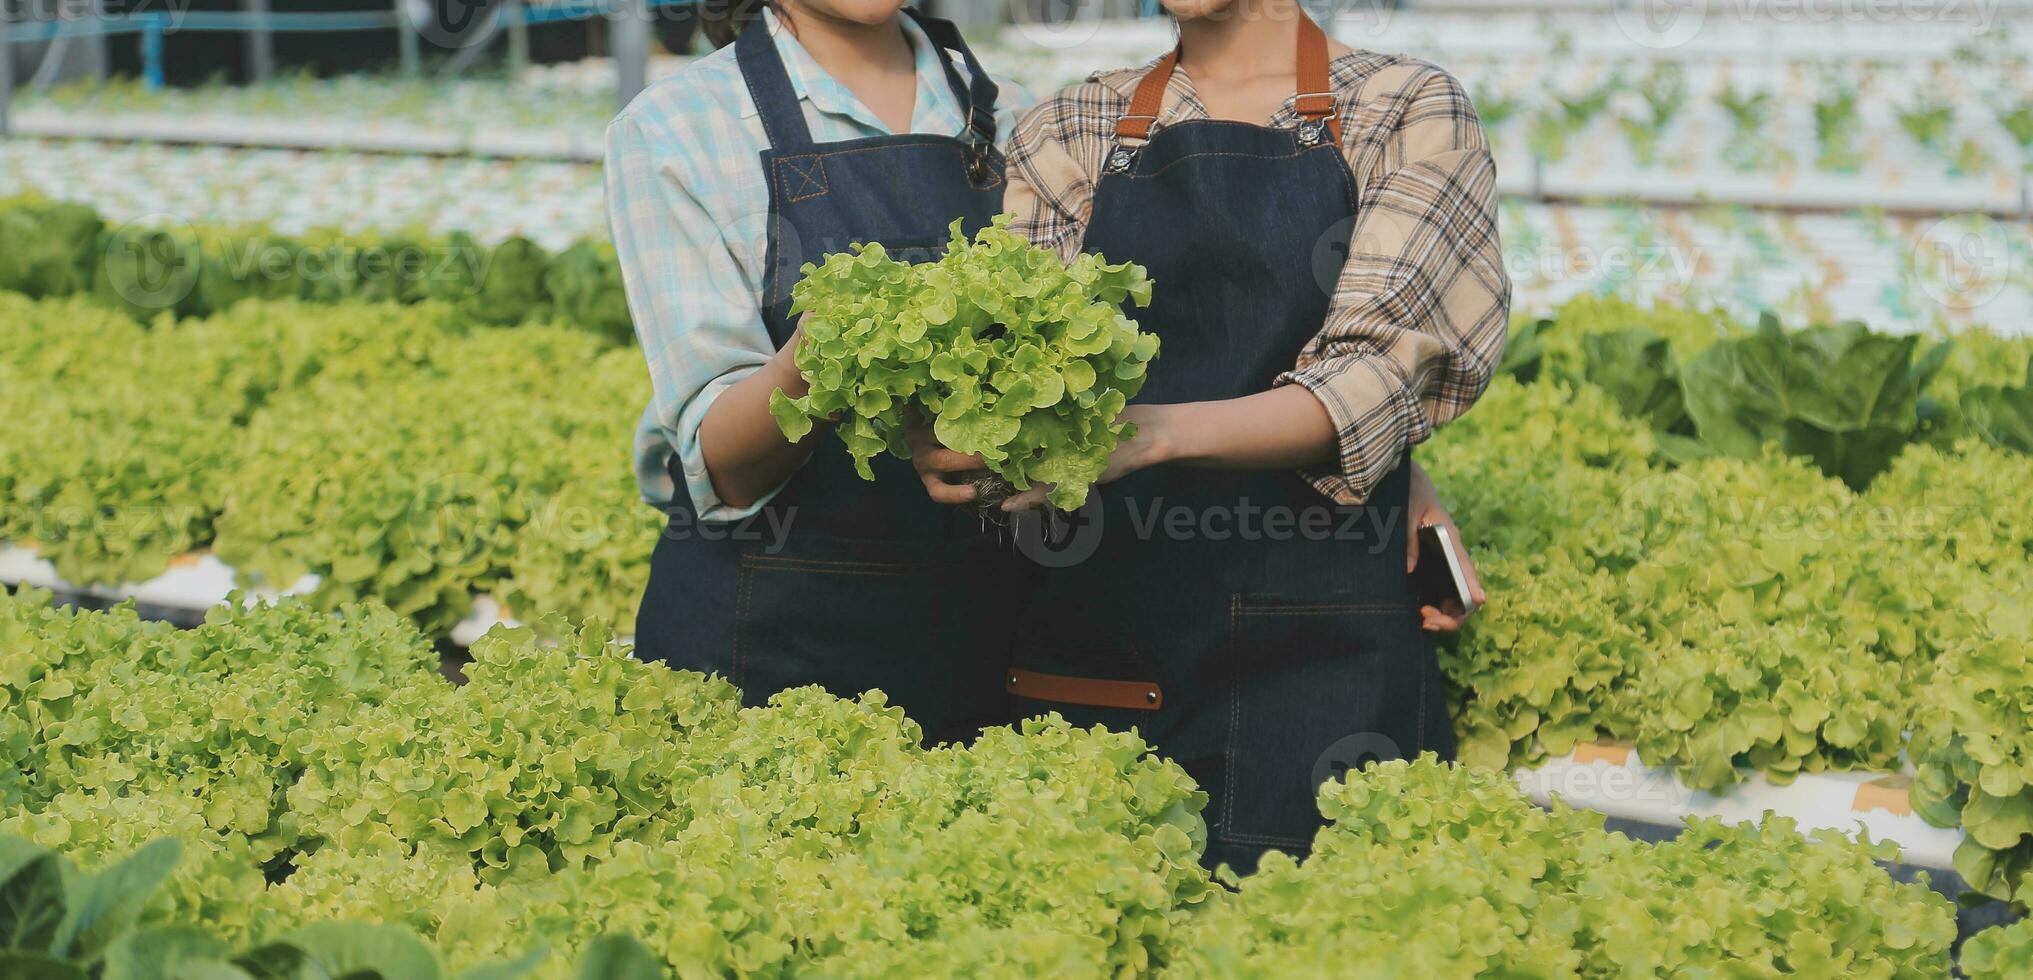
746	454
1283	428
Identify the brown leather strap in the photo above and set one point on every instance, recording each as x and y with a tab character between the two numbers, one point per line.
1091	691
1148	98
1316	90
1314	104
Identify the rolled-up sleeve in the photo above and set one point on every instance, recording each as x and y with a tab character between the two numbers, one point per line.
695	312
1418	319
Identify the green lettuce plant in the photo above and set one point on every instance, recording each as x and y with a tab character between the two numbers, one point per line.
1006	351
1999	953
1845	397
2000	415
1470	879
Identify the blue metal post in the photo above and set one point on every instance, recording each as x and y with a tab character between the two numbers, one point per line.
151	52
6	74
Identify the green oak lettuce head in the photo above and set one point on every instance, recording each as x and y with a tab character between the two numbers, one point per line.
1006	350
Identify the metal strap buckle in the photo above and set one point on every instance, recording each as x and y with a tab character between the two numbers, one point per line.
977	162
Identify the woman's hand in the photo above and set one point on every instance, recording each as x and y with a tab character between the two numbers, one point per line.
1426	510
949	475
1155	435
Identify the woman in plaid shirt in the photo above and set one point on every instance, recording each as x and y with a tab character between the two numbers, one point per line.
1320	225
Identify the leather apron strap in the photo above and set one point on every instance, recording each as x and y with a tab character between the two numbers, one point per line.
1315	101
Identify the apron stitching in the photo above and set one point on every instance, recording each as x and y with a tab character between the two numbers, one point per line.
814	177
1318	610
834	562
1420	739
1134	175
741	613
1265	839
930	142
1234	713
855	572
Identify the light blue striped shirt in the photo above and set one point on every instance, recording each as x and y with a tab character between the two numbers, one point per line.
687	206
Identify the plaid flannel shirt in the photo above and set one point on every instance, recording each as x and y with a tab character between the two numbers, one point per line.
1417	322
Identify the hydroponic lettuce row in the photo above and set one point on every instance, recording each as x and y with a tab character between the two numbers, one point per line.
66	924
330	791
1746	614
1005	351
185	270
1438	871
395	451
1725	614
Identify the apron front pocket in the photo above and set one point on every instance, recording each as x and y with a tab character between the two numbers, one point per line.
916	620
1315	689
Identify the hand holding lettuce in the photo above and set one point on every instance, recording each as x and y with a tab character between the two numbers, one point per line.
1008	352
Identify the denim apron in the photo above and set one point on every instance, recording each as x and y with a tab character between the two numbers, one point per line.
838	581
1262	636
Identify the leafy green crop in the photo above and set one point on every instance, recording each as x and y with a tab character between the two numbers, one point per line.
318	768
394	450
1999	953
1841	395
51	248
1970	744
194	271
585	283
62	923
1431	870
1724	614
339	802
415	488
2002	416
1008	352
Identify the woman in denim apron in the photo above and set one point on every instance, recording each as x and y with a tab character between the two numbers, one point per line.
1257	630
833	580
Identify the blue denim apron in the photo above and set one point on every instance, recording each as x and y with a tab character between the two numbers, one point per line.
1251	629
873	585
